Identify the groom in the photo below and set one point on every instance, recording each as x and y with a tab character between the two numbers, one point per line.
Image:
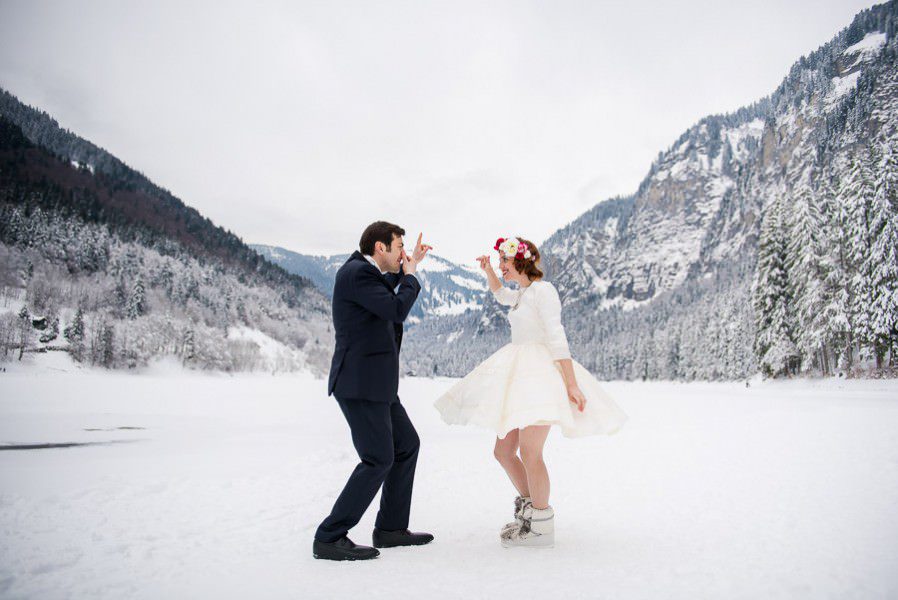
373	294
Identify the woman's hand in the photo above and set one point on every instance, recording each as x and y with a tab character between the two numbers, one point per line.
491	279
576	396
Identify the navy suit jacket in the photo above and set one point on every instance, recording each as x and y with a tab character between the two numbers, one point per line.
368	318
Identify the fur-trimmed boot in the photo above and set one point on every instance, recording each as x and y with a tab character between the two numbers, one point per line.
519	503
536	531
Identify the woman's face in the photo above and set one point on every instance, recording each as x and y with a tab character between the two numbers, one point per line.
509	273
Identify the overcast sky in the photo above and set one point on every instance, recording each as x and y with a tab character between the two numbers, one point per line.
296	123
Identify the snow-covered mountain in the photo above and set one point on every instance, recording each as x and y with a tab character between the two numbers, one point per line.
663	283
97	260
319	270
446	288
698	206
658	283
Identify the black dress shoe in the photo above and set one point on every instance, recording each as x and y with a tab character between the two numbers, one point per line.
400	537
342	549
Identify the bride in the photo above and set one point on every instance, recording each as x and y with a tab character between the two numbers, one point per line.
527	386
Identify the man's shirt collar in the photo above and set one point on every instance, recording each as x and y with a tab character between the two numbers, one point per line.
373	262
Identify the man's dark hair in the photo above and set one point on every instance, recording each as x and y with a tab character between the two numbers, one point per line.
379	231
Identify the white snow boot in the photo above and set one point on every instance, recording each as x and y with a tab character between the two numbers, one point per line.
536	531
519	503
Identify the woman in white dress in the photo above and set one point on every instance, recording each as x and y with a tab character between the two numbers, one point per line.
527	386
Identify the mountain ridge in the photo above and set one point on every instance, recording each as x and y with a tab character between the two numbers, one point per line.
688	235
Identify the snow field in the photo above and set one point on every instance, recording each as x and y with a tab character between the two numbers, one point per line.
712	490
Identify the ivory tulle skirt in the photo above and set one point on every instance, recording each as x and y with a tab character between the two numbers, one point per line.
521	385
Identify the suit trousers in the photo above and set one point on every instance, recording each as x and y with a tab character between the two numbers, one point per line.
387	444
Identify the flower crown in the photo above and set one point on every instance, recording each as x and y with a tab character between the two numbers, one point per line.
514	247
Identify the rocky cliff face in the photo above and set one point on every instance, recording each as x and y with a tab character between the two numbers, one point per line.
700	202
676	226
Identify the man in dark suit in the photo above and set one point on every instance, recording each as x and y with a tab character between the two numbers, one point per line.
373	294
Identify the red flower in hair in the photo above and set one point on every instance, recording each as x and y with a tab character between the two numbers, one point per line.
499	241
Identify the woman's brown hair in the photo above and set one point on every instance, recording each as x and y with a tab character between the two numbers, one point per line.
529	266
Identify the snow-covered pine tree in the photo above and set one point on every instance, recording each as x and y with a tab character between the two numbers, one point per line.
805	277
884	254
136	300
774	338
107	346
857	198
835	312
74	333
188	346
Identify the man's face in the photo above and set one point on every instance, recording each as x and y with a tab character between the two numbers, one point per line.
391	259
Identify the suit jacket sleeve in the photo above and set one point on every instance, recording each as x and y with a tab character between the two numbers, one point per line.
393	279
373	295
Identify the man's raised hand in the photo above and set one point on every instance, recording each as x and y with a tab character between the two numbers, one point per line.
420	250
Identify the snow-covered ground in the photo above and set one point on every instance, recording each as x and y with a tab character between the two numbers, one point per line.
201	486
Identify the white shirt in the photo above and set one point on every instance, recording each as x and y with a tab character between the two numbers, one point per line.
536	316
371	260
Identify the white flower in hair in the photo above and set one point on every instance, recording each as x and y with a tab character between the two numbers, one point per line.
512	247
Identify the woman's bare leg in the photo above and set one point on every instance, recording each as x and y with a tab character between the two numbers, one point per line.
506	452
532	439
